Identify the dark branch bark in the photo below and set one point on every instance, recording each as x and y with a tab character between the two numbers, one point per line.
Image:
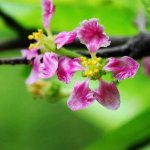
136	46
21	41
18	43
13	61
12	23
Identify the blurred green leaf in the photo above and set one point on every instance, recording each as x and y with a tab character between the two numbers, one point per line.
129	135
30	14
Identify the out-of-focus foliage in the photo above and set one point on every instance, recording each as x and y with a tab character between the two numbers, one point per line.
147	4
28	124
106	10
126	136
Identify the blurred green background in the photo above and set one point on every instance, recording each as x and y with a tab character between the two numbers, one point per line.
34	124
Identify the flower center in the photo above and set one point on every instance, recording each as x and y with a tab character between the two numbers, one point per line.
93	67
42	42
38	36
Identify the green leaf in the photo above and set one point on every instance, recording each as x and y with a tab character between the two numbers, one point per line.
127	136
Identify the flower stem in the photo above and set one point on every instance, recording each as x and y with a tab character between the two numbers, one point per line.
68	53
63	51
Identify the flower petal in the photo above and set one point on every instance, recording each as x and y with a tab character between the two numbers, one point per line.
146	64
49	66
81	96
108	95
91	34
48	11
67	67
29	54
35	71
122	68
64	38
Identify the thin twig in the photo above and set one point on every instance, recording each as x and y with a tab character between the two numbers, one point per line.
13	61
12	23
135	46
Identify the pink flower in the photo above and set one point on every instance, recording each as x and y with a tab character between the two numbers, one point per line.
49	65
108	95
45	69
122	68
65	38
81	96
146	64
67	67
48	11
92	35
34	75
29	54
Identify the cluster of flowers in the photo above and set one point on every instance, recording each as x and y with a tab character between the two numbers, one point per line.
47	63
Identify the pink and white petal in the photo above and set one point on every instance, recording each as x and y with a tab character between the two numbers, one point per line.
67	67
34	75
92	34
64	38
146	65
29	54
122	68
49	65
48	11
108	95
81	96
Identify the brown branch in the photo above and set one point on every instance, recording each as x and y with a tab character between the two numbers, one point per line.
137	46
13	44
12	23
13	61
21	41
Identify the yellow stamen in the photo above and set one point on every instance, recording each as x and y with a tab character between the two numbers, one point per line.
94	62
85	63
82	58
31	46
96	70
30	37
93	66
99	59
90	73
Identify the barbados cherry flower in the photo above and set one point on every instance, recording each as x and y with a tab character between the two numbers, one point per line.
48	58
93	36
43	52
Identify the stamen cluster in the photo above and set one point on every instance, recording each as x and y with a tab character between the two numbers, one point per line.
38	37
93	67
